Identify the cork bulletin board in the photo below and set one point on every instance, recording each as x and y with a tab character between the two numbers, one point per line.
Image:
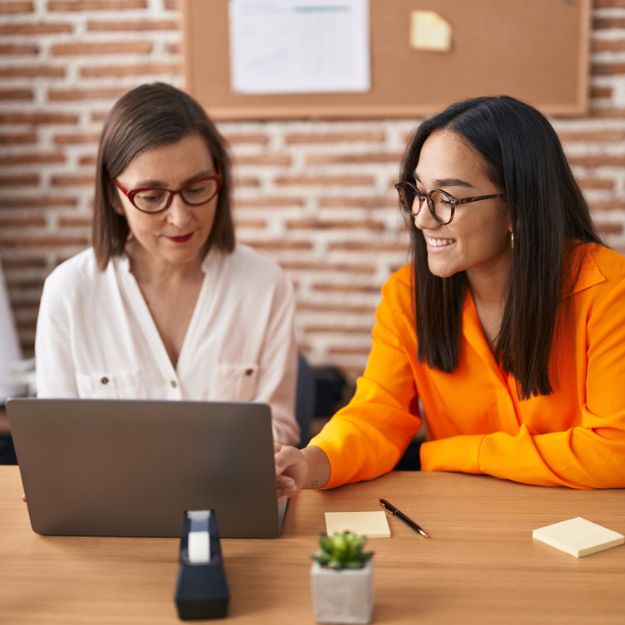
536	50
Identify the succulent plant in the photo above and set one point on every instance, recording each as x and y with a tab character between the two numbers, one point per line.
342	550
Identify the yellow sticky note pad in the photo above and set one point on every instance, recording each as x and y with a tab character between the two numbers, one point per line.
429	31
578	537
370	524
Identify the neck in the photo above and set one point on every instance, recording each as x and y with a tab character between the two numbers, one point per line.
156	272
489	285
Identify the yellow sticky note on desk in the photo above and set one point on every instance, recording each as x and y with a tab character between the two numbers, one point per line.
578	537
371	524
429	31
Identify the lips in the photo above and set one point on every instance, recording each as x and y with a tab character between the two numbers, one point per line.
182	238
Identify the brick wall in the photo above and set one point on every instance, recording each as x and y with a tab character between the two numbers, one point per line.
316	196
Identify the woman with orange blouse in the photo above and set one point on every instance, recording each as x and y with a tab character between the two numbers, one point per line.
506	332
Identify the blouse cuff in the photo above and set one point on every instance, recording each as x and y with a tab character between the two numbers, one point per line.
456	453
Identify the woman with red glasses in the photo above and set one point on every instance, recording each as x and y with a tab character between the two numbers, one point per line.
166	305
506	332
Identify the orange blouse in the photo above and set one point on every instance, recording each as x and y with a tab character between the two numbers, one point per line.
476	423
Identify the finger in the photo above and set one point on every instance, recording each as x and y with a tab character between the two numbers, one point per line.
276	447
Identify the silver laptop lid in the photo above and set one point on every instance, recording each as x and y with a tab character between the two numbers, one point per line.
95	467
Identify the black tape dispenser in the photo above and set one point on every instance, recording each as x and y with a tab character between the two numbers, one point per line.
202	590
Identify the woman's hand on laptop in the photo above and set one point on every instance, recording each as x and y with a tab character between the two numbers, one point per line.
300	468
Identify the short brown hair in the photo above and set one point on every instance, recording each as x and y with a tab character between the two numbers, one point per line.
147	117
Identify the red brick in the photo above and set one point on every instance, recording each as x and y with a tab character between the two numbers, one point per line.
609	227
99	93
133	25
322	224
143	69
70	180
607	205
39	201
237	138
338	159
276	246
343	309
369	202
16	94
173	48
325	181
40	28
588	136
269	202
173	5
18	138
246	222
296	138
263	160
31	158
76	138
609	23
21	49
75	222
338	327
32	71
9	240
22	262
329	287
603	160
608	45
608	4
100	47
38	117
19	180
600	92
33	221
88	159
246	181
16	7
595	183
305	265
608	69
97	117
95	5
366	247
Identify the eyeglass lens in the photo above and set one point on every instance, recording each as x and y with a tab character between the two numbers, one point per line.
153	200
413	202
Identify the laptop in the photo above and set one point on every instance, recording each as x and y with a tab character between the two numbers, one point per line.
98	467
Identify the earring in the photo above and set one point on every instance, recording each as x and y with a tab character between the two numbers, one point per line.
511	240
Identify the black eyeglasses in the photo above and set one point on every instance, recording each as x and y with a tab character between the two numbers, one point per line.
156	200
442	205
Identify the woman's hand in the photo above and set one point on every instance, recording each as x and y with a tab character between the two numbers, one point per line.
300	468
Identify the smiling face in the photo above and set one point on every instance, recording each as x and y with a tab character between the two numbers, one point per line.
477	241
177	235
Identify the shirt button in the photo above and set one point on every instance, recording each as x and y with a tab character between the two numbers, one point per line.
174	384
104	380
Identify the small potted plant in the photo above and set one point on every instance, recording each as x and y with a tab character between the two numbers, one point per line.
342	579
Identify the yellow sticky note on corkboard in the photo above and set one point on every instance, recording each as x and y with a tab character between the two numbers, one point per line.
429	31
371	524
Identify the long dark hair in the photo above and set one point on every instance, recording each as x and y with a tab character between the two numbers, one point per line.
147	117
548	213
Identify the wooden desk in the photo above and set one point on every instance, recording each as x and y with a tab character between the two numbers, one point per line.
481	565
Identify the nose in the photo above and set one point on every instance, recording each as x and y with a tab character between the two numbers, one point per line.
424	220
179	214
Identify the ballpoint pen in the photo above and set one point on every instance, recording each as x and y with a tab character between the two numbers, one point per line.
390	508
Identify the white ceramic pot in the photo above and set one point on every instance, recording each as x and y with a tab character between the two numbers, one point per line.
344	596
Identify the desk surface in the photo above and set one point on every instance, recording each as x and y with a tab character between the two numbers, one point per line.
481	565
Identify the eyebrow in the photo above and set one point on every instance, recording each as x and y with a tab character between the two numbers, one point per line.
447	182
151	183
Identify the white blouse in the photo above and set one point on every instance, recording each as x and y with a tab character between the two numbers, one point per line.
96	337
